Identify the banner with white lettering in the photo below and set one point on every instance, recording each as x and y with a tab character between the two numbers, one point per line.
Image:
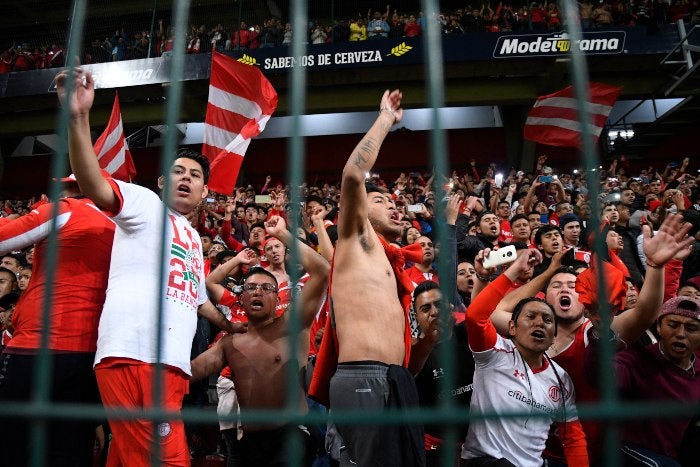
360	54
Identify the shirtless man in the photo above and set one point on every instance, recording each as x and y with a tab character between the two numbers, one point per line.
258	358
371	326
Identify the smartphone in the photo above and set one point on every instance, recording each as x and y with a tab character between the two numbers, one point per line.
263	199
498	180
546	179
501	256
414	208
211	200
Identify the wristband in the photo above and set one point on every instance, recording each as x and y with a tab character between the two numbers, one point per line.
653	266
486	279
387	109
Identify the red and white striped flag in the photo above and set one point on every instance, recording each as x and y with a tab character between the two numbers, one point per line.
553	119
111	147
241	101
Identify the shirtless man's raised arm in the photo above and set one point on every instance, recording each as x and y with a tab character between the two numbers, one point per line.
371	327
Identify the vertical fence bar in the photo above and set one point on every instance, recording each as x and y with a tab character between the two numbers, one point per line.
43	369
433	66
173	105
579	72
295	165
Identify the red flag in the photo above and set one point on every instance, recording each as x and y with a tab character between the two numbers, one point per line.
553	119
111	147
241	101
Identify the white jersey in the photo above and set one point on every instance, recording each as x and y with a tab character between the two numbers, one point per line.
128	325
504	383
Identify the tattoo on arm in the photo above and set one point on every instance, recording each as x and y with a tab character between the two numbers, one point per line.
368	148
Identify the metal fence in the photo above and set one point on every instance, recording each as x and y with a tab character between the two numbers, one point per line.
40	410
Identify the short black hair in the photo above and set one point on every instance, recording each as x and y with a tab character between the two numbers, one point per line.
257	224
423	287
482	214
21	260
518	217
521	304
9	271
372	188
315	198
197	157
543	230
258	270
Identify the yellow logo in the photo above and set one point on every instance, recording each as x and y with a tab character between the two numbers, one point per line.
400	49
563	45
248	60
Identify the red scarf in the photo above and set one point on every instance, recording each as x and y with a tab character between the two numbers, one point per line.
615	285
327	356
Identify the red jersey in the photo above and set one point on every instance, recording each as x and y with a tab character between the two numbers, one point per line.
417	276
572	360
506	234
285	294
79	284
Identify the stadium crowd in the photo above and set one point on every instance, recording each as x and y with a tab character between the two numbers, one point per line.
520	254
525	249
140	41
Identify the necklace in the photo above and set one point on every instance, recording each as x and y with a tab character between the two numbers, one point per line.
690	368
555	348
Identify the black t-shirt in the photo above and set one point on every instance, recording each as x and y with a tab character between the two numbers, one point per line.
428	379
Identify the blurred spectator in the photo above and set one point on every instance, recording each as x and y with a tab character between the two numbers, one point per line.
270	35
242	37
340	32
377	28
358	31
412	28
319	35
218	39
287	35
396	26
602	15
118	42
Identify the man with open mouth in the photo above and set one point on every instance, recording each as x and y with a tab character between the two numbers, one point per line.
139	306
259	357
564	294
661	372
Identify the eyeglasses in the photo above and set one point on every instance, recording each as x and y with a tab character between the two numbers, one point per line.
266	287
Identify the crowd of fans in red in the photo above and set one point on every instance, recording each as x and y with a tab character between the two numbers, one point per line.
543	208
141	42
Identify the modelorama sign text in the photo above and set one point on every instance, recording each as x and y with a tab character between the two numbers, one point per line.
517	45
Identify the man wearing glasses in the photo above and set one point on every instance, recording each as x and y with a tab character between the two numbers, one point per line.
259	358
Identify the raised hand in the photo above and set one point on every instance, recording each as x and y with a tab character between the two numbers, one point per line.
452	209
275	226
318	215
527	259
246	257
391	103
671	240
82	90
